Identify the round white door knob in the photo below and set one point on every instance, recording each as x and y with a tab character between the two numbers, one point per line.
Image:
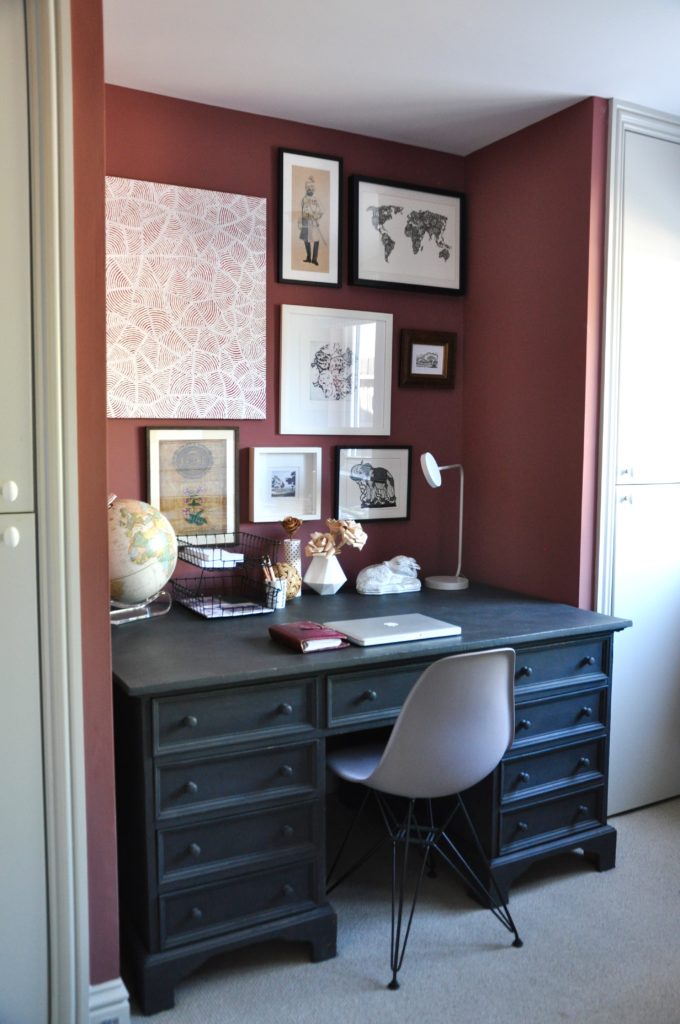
11	537
10	490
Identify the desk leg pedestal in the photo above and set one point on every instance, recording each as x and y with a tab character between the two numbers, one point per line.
598	846
152	977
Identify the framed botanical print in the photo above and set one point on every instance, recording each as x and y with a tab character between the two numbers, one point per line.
193	481
372	483
310	218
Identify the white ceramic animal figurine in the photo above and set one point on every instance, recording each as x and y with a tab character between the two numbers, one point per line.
397	576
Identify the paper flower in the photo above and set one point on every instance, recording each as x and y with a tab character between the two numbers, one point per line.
341	532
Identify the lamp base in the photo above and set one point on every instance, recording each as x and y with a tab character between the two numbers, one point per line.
447	582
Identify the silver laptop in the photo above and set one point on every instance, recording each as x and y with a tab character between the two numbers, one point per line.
393	629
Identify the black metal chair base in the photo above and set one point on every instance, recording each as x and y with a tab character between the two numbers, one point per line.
407	832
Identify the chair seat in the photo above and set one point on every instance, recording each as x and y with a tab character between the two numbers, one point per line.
356	764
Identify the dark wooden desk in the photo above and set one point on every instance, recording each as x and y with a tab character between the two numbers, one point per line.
220	762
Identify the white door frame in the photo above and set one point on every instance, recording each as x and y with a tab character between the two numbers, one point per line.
48	27
623	118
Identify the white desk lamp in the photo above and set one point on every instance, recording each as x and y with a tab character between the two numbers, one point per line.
433	474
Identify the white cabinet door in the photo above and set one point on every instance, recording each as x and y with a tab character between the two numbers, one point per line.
16	427
23	893
23	888
645	729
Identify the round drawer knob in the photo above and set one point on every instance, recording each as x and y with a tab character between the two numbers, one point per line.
590	660
194	849
288	831
285	709
11	537
524	776
522	826
370	695
288	890
586	712
584	762
526	670
582	809
191	721
286	770
191	787
10	491
196	913
524	723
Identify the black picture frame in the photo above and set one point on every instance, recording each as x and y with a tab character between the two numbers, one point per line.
314	260
427	254
367	495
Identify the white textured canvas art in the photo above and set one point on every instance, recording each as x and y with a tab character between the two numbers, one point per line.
186	302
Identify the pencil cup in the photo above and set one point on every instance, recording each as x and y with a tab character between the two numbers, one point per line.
275	592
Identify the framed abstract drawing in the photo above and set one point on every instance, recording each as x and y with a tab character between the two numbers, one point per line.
336	371
406	236
193	481
372	483
310	218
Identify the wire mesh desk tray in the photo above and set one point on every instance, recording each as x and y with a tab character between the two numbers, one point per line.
231	581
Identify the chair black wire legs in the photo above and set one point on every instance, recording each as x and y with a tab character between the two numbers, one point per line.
405	832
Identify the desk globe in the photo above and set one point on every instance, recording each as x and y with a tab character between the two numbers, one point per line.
142	551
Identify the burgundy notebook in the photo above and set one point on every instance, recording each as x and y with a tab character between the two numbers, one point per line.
306	636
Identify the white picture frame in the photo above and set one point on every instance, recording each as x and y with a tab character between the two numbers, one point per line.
284	482
336	371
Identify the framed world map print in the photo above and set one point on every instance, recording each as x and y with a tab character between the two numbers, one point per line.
406	236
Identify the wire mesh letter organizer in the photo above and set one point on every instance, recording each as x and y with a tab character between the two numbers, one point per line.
231	580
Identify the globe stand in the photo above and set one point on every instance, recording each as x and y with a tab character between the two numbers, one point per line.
159	604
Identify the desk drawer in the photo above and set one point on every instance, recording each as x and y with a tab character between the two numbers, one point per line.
564	766
551	819
246	777
365	696
556	716
233	714
237	841
241	902
562	663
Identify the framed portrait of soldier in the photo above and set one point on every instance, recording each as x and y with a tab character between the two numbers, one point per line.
310	218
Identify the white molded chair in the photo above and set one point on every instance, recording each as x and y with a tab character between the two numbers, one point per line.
452	731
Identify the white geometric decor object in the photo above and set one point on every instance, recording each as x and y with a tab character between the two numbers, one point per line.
186	302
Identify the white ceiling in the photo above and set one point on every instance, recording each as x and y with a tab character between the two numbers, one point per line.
452	75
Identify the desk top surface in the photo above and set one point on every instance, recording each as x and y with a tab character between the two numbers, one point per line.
182	651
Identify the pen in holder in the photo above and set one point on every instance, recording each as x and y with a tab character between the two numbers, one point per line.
275	593
274	588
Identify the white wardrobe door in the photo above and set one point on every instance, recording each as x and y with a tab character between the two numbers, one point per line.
23	888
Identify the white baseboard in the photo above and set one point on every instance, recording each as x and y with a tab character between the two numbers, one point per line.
109	1003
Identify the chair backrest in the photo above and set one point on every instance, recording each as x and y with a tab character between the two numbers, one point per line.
454	726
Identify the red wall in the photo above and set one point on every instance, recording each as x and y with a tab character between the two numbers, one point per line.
161	139
531	369
88	127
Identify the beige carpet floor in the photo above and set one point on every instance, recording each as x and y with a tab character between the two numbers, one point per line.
598	949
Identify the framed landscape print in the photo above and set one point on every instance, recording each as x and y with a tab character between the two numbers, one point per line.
284	482
336	371
427	359
372	483
310	218
193	481
406	236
